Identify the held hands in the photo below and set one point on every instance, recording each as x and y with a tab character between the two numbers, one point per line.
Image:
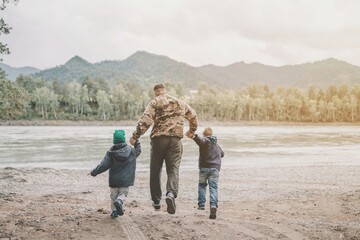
190	134
132	141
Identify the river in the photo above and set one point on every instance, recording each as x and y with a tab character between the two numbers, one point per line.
82	147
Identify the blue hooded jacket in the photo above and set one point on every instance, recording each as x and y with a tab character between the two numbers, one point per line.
210	152
121	160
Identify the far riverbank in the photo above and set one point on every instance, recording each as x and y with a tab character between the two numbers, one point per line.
40	122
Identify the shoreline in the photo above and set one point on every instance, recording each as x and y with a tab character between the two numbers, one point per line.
133	123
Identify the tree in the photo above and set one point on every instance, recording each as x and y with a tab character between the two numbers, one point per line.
44	101
353	103
331	111
104	110
93	86
314	114
339	112
4	29
330	92
312	92
119	101
84	98
2	74
73	97
57	87
322	110
343	91
279	105
175	88
29	83
12	100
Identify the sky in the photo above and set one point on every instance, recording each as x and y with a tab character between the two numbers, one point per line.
46	33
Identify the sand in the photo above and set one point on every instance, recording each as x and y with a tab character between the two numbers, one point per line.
289	202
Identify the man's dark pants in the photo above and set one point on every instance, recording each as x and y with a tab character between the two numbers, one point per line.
169	149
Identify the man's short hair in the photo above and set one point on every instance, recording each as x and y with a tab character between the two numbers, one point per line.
157	86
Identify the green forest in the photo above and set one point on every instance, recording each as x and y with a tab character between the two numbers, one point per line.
30	98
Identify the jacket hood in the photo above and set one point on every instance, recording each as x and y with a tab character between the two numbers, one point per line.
120	151
213	139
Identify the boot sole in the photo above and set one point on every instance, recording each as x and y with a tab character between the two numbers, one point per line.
119	208
170	202
212	213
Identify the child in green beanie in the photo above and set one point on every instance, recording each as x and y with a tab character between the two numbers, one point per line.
121	160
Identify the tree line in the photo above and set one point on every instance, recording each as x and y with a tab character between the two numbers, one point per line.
94	99
291	104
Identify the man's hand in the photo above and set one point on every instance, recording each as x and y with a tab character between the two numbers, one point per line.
189	134
132	141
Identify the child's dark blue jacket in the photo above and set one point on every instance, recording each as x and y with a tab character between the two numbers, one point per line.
210	152
121	159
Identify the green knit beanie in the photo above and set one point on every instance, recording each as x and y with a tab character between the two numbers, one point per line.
119	136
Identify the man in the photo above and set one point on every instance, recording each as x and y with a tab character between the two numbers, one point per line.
167	113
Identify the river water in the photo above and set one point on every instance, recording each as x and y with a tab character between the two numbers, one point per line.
82	147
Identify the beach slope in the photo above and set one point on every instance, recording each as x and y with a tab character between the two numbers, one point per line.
293	202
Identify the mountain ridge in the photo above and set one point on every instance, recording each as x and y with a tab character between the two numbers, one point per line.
14	72
149	68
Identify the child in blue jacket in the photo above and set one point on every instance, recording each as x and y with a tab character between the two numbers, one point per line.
121	160
210	154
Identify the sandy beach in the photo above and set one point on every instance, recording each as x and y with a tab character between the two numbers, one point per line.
289	202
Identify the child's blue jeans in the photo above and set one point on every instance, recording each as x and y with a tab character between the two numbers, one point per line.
208	176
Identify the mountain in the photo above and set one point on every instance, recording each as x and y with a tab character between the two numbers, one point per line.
140	67
74	69
319	73
13	72
148	68
151	68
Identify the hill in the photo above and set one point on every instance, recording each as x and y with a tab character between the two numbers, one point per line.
74	69
140	67
13	72
148	68
319	73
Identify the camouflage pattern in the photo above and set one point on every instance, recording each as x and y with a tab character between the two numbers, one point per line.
167	113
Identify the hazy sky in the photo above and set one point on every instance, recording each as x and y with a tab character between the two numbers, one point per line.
275	32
